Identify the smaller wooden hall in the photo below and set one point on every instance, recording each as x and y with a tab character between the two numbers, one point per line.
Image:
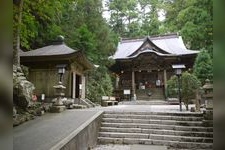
144	65
43	71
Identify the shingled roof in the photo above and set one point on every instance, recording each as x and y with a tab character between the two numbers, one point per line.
55	52
171	45
51	50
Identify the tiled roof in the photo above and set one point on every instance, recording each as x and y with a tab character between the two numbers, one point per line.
52	50
171	44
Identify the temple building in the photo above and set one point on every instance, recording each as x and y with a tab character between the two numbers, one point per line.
144	65
46	64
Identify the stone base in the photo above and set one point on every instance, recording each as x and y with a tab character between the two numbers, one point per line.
57	109
208	114
77	106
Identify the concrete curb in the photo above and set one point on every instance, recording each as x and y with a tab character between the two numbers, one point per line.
64	141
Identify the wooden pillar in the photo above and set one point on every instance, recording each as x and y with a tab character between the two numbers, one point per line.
74	85
165	81
83	86
117	81
133	86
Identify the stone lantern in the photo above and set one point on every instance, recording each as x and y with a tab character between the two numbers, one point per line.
208	98
208	94
59	91
58	105
178	71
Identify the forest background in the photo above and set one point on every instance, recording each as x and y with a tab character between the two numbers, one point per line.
85	27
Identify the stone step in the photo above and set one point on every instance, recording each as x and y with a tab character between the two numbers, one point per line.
124	135
182	114
175	144
151	116
181	138
151	121
158	131
158	126
153	95
156	137
144	102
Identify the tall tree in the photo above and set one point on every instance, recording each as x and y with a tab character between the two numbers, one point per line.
18	8
203	67
134	18
123	14
150	23
193	19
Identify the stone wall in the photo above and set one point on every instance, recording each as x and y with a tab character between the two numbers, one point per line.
84	138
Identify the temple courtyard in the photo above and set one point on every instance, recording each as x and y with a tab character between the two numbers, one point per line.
53	130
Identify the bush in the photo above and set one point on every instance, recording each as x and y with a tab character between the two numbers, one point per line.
172	84
189	85
99	84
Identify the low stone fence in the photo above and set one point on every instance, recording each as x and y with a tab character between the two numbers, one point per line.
83	138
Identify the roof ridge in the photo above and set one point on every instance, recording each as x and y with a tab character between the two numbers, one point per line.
170	35
124	40
154	37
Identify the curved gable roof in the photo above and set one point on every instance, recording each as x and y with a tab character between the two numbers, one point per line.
170	44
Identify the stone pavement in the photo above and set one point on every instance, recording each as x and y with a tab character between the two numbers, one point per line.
146	108
129	147
44	132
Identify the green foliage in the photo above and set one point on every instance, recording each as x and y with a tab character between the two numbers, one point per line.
203	67
39	22
193	20
172	84
134	18
82	25
189	85
99	84
84	40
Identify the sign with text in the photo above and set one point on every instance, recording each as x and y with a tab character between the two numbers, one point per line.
126	92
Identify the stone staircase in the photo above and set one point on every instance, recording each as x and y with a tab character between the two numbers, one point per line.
156	94
175	130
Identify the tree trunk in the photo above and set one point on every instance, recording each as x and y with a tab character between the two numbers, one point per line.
16	34
197	101
187	106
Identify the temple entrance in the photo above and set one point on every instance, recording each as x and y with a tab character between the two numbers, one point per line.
149	85
78	82
146	80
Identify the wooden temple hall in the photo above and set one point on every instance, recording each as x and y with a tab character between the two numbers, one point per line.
44	69
144	65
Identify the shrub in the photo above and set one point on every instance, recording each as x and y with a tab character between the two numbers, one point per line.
99	84
189	85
